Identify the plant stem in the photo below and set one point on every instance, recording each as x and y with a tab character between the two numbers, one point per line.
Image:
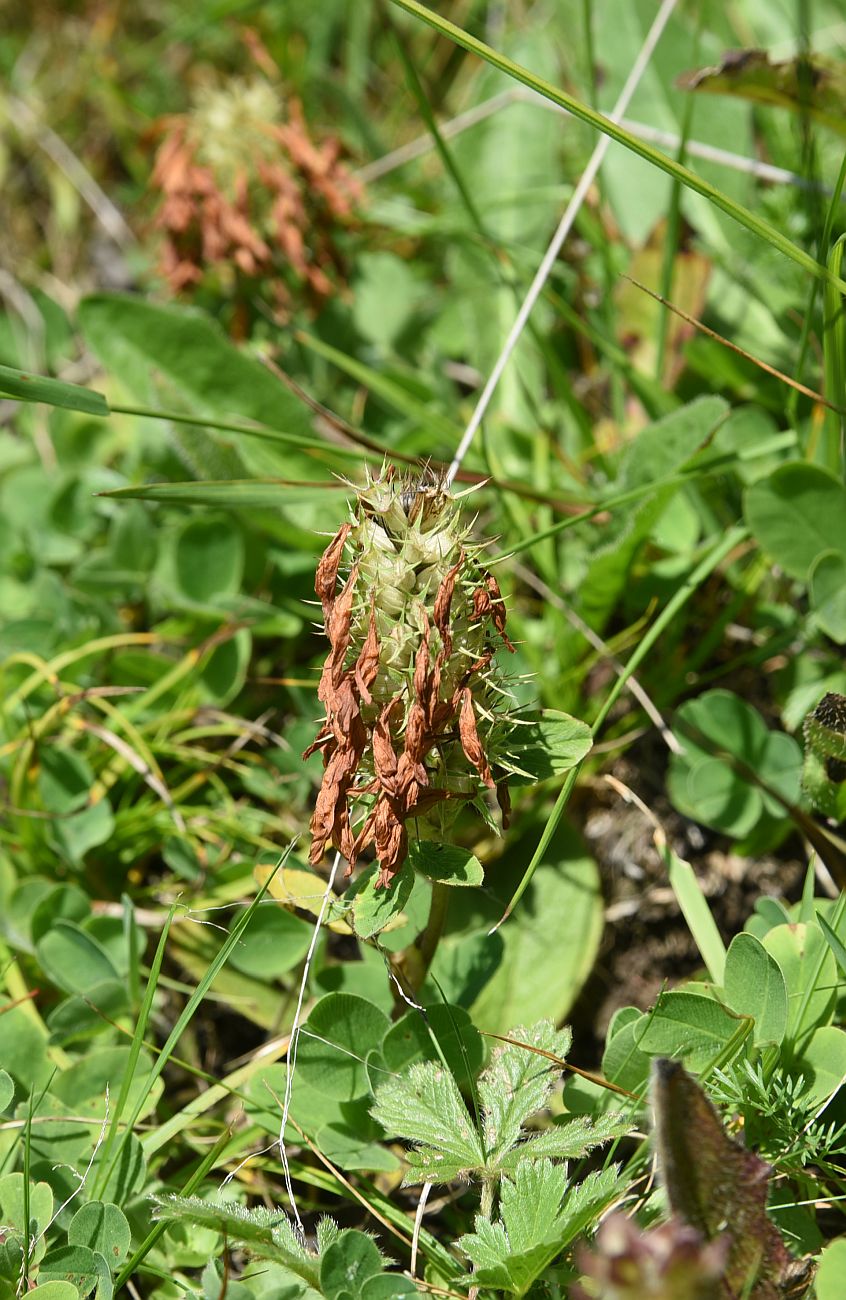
426	946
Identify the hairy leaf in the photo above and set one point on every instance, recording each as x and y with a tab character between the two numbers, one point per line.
426	1108
517	1083
539	1215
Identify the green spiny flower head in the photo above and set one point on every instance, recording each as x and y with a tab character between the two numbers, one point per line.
407	536
414	697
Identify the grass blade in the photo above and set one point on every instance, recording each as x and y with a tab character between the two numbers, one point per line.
186	1015
697	913
134	1052
25	387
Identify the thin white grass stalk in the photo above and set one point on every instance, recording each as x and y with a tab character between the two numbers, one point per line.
633	686
424	144
291	1058
110	218
711	153
83	1178
418	1223
565	225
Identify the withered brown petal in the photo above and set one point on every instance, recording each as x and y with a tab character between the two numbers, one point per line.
367	663
343	838
384	754
345	713
411	778
443	602
326	576
417	739
498	610
421	665
391	839
470	742
320	741
481	604
340	614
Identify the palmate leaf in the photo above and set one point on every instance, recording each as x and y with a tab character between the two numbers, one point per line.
425	1108
539	1215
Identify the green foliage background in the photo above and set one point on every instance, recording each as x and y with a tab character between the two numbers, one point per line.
666	519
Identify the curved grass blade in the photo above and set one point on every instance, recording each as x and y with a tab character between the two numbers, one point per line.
236	494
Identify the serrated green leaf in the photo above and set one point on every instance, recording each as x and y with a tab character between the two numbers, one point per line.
569	1140
539	1214
517	1084
425	1107
265	1233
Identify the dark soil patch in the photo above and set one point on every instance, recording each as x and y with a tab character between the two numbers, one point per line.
646	944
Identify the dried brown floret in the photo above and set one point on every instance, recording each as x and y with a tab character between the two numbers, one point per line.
470	742
242	189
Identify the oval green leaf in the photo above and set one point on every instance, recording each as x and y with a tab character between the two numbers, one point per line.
341	1029
754	986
